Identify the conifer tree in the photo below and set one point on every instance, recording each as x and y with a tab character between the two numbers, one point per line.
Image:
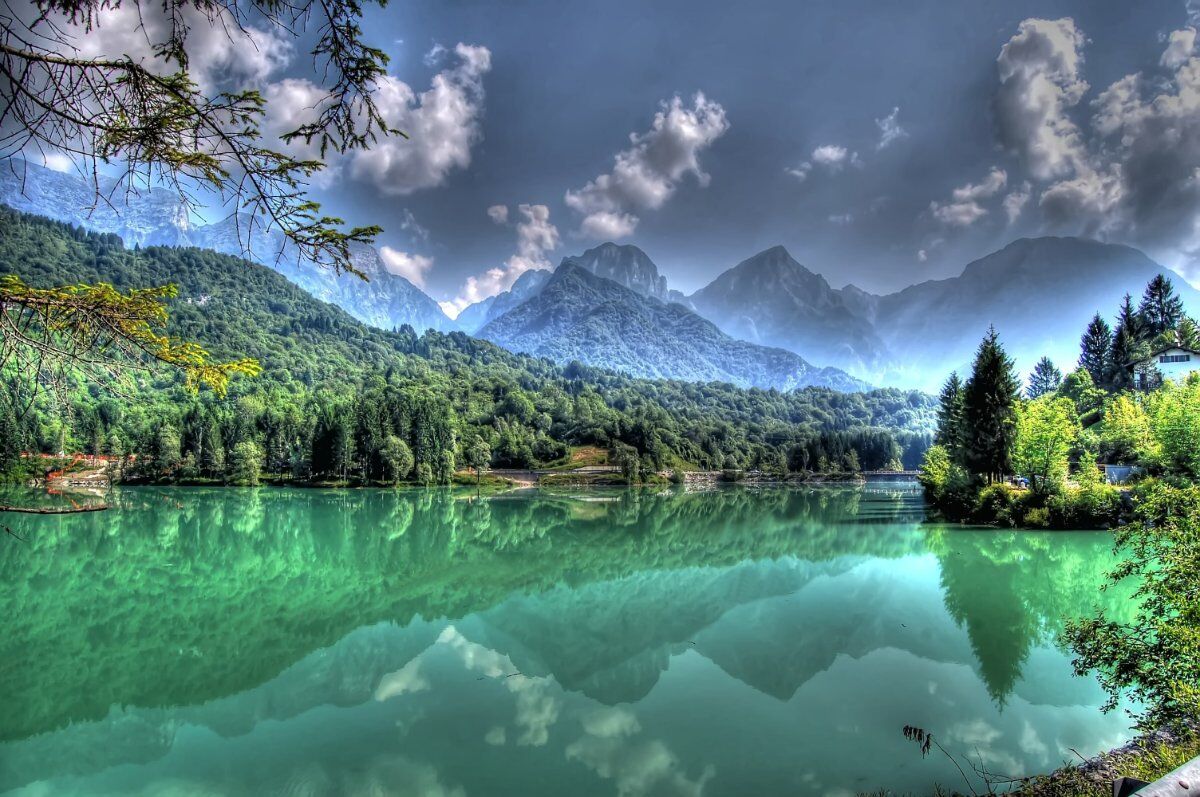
1161	308
1128	346
1045	379
989	410
949	416
1096	349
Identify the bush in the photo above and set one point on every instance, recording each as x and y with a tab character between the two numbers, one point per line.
1155	658
998	503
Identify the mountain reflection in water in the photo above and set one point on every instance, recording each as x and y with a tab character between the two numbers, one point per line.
735	641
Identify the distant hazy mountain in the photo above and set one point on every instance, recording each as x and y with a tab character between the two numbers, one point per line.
157	217
628	266
474	316
1040	293
151	217
773	300
580	316
384	299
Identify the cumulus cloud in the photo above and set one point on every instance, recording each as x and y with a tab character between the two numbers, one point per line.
221	54
537	707
498	214
890	130
536	236
965	206
412	267
1181	44
1139	180
1040	80
611	748
443	124
646	175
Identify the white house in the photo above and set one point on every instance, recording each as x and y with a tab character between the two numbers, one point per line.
1174	363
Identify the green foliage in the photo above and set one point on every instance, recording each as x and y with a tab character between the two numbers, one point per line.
1155	656
1174	412
333	391
1047	432
1125	432
245	462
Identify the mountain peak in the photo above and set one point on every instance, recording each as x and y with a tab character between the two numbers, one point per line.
624	264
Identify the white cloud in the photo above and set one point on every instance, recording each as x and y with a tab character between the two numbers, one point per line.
405	681
435	55
221	54
646	175
443	124
412	267
841	218
607	225
536	236
890	130
800	172
1181	44
1039	81
611	748
537	708
498	214
1015	201
1141	182
830	155
409	223
964	208
922	255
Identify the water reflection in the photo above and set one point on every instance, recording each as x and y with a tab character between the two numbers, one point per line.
723	642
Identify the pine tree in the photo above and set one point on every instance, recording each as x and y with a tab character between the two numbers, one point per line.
989	410
1096	349
949	416
1128	346
1161	308
1045	379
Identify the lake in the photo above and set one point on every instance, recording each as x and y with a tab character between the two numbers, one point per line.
725	642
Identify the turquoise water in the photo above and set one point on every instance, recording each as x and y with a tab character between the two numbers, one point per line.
734	642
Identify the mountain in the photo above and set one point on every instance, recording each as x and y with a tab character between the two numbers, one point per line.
773	300
1039	293
628	266
383	299
157	217
153	216
474	316
580	316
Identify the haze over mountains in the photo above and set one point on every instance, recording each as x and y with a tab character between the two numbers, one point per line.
157	217
768	321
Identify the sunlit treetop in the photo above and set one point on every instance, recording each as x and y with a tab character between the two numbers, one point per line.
110	337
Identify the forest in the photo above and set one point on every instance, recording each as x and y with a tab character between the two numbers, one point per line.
343	403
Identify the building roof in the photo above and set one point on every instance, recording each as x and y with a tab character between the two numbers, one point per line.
1172	347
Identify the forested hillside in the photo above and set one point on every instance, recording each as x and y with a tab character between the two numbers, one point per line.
338	400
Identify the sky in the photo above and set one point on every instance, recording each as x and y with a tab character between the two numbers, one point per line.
882	143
